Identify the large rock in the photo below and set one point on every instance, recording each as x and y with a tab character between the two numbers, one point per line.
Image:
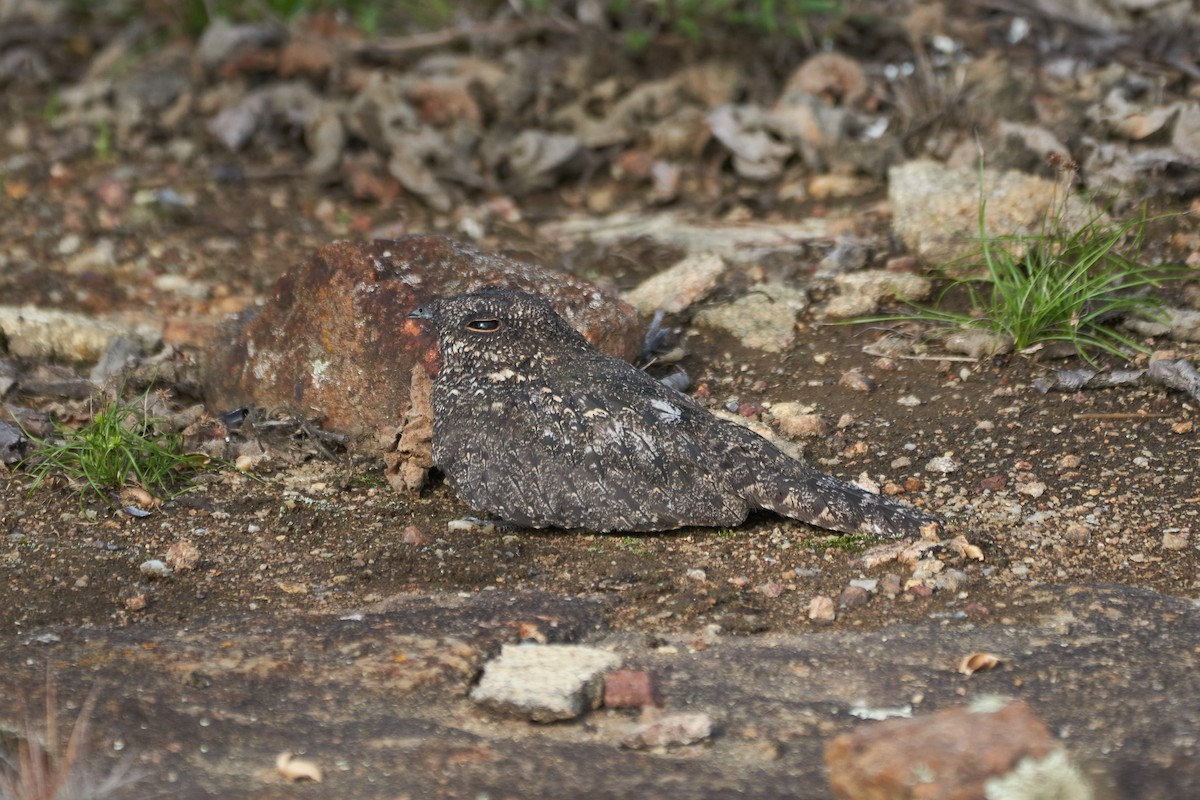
763	319
334	344
950	754
545	683
935	208
48	333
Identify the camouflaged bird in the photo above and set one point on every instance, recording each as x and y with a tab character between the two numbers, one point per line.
536	427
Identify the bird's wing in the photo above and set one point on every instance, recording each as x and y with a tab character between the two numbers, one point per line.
602	450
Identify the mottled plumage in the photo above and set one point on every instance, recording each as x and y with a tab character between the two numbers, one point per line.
534	426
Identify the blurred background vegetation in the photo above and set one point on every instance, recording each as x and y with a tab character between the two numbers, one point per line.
636	22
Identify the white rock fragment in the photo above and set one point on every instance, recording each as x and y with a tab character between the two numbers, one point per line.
1180	324
737	242
545	683
821	610
978	344
860	293
677	287
671	729
944	464
764	319
50	334
155	569
1175	539
1052	776
1031	488
69	244
796	419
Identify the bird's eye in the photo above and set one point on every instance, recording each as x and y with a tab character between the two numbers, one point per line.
484	325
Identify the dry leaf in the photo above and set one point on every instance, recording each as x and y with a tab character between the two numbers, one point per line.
977	662
137	496
297	769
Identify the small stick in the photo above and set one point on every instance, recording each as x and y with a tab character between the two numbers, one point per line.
879	354
1119	415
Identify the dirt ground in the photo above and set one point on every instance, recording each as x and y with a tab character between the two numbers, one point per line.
329	614
1118	466
1055	488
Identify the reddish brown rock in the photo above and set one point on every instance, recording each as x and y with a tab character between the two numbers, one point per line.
630	688
334	344
948	755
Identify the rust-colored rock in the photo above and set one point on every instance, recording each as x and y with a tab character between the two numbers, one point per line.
630	688
948	755
333	342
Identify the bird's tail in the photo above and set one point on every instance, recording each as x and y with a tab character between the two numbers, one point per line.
823	500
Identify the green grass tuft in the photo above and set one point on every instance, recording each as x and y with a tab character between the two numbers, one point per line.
123	445
1062	284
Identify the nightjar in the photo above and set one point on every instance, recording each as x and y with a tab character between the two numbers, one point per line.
536	427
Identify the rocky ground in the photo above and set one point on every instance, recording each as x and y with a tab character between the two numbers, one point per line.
327	614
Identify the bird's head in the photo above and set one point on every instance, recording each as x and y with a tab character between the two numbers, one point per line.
496	326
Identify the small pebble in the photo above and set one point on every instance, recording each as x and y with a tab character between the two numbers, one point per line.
670	730
1032	488
182	556
853	596
411	534
630	688
155	569
1078	533
1175	540
950	581
855	381
69	244
993	483
770	589
796	419
890	584
944	464
820	610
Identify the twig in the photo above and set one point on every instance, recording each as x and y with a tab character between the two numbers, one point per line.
879	354
1119	415
394	48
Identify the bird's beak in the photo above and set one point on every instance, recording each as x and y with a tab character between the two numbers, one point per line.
420	312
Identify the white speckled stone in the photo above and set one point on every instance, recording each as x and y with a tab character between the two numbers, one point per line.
545	683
